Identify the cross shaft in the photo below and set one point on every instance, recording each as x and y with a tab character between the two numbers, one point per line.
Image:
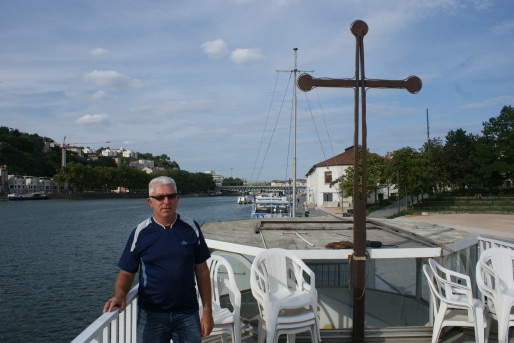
360	84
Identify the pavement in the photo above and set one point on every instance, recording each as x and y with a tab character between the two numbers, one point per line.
500	226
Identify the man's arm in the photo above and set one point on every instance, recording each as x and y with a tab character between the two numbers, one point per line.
121	288
203	280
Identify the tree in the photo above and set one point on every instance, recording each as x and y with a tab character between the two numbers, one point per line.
165	162
230	181
433	168
459	153
375	175
495	153
404	170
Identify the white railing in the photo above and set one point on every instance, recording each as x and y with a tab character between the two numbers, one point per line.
485	243
113	327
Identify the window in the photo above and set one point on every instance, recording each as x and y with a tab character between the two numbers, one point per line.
328	177
327	197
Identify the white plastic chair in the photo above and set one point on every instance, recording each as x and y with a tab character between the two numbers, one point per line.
223	281
285	290
494	276
452	301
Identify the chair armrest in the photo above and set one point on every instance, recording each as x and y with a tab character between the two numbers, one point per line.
234	295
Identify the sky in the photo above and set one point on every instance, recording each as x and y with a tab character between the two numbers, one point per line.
211	83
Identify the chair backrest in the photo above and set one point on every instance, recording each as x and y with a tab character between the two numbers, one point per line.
223	282
433	287
487	283
500	260
453	287
275	270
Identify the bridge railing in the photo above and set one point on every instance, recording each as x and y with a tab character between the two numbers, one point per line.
247	189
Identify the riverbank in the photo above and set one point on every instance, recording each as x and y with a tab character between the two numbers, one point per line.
99	195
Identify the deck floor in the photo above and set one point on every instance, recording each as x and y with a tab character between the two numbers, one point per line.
455	335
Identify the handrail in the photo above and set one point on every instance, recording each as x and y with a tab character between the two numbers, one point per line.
113	327
485	243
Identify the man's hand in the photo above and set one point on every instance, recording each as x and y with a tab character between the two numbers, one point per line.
115	302
206	323
121	288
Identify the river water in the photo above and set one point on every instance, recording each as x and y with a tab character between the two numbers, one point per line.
58	259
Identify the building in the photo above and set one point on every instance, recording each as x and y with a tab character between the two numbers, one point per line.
280	183
323	191
29	184
143	165
217	177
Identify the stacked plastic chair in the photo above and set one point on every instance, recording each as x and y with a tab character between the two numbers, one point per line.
223	282
453	303
495	280
285	290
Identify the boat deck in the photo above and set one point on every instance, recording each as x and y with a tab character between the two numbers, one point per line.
424	335
317	237
328	234
390	290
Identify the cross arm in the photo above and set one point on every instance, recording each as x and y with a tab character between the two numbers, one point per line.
306	82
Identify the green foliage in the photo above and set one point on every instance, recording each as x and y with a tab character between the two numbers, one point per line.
375	177
495	149
24	154
230	181
464	162
459	154
405	170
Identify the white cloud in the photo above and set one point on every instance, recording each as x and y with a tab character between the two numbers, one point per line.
241	56
92	119
497	101
111	79
99	95
503	28
98	52
215	49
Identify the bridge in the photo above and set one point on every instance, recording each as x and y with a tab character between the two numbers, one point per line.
262	189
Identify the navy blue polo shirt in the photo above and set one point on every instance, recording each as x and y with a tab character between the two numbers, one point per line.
165	258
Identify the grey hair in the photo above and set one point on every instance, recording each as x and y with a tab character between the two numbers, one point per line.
161	180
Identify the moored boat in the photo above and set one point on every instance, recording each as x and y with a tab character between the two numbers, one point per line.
244	199
271	206
27	196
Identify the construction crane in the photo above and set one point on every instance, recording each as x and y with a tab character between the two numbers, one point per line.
65	146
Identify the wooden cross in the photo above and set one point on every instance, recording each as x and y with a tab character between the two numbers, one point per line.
359	83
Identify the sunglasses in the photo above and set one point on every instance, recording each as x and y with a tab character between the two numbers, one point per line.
161	197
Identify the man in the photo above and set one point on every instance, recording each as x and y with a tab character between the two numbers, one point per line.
168	251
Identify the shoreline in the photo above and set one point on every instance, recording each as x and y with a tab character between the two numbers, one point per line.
97	195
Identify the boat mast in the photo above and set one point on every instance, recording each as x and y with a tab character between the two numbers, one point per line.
295	70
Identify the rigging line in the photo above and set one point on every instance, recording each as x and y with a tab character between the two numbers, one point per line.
315	127
274	128
264	131
325	121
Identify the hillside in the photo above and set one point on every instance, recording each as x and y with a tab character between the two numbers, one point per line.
31	154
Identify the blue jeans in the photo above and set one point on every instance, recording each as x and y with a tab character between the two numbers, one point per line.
160	327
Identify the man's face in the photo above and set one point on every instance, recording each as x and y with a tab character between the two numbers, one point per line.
165	206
